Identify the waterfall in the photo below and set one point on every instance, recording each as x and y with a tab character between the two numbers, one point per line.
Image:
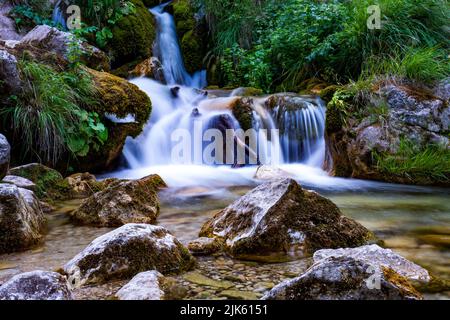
168	50
282	135
58	16
302	132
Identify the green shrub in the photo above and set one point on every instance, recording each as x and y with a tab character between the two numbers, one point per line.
295	40
413	162
47	116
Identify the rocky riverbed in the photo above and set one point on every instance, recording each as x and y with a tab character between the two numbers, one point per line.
405	223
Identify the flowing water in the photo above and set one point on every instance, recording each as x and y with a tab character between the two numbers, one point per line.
413	221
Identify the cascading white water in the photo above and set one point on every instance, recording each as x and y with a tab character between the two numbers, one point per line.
302	132
180	105
168	51
58	15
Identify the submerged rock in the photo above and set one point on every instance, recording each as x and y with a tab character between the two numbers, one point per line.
122	202
83	185
280	217
144	286
21	219
345	278
205	246
151	285
127	251
380	257
5	150
36	285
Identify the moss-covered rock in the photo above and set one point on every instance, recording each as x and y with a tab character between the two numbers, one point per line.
280	218
381	131
133	36
345	278
21	219
243	112
120	98
134	201
127	251
49	182
192	32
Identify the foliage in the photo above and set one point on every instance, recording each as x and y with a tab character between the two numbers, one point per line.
421	64
295	40
101	16
413	162
25	17
48	115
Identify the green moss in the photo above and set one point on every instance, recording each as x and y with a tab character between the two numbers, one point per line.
49	182
192	49
243	113
133	36
120	97
183	13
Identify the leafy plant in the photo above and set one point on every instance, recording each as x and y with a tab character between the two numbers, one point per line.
47	116
411	161
90	133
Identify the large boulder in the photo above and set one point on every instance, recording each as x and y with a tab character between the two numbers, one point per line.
5	153
375	255
119	99
281	217
60	43
345	278
36	285
10	81
127	251
144	286
21	219
396	122
133	201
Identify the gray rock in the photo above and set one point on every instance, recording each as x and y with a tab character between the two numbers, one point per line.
20	182
144	286
268	173
36	285
5	151
345	278
420	116
10	81
205	246
127	251
129	201
380	257
7	25
281	217
59	42
21	219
